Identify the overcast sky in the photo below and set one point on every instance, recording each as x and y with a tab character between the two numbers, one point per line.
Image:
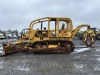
17	14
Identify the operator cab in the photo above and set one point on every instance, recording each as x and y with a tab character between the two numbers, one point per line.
53	27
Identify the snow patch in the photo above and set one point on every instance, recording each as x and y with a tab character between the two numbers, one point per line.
81	46
97	49
1	65
23	68
97	68
81	50
98	59
79	66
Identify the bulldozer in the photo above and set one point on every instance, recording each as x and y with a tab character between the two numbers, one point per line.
53	34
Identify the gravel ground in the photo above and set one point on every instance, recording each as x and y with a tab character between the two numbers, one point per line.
83	61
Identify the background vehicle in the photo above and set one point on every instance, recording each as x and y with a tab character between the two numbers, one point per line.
14	36
8	36
54	34
2	36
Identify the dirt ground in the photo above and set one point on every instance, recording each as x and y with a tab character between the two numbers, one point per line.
83	61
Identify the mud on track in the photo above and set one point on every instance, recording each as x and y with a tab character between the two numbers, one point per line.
83	61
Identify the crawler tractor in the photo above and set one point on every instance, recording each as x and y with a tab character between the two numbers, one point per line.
53	34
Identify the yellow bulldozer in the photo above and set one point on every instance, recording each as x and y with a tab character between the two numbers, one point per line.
49	34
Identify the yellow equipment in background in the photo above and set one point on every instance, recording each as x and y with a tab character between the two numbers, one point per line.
96	32
51	34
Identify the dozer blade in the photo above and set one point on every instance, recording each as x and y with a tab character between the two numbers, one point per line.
9	49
